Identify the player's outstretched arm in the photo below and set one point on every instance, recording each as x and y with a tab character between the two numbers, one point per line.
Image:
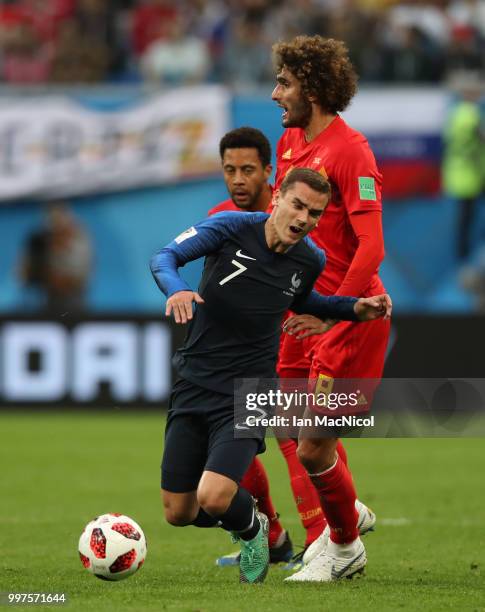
180	304
363	309
326	306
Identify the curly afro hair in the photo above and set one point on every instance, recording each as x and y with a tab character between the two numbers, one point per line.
323	68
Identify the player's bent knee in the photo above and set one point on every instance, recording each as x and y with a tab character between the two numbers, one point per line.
309	455
316	455
214	501
215	504
215	493
180	508
178	518
306	456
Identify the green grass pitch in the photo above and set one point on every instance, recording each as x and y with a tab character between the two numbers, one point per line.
59	471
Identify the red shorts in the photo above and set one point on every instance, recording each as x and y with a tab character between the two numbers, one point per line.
348	350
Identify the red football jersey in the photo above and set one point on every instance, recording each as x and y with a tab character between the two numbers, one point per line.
343	156
226	205
229	205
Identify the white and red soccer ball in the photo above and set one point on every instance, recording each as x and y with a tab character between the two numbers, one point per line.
112	546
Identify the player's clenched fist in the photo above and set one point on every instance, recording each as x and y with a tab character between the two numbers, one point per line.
180	304
375	307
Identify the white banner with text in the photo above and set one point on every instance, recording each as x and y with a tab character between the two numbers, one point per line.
55	147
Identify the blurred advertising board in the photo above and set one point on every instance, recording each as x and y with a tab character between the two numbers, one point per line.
99	361
55	146
125	361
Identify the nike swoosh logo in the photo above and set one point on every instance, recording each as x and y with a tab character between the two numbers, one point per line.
239	426
336	574
239	254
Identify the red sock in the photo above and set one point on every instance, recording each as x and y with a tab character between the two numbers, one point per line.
306	497
342	452
337	496
255	480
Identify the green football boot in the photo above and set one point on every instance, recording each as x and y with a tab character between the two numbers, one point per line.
254	562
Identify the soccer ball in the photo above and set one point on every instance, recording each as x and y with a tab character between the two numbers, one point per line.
112	546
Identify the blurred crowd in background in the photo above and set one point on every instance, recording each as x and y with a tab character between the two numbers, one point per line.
179	42
189	41
56	263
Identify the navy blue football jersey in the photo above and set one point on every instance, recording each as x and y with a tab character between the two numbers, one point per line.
247	289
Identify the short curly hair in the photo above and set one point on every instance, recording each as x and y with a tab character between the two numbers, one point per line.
247	138
323	68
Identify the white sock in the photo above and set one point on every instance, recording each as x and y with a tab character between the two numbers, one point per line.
342	550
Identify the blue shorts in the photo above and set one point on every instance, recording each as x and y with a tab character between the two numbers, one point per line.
199	436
